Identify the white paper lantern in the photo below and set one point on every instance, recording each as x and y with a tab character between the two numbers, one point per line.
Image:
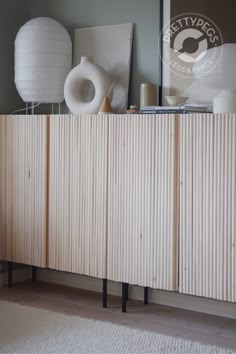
43	57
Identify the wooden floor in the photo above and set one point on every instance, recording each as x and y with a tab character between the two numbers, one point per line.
199	327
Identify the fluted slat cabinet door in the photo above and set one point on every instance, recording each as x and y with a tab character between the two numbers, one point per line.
5	206
23	189
78	194
142	223
208	206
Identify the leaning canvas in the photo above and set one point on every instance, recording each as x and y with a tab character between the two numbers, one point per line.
110	47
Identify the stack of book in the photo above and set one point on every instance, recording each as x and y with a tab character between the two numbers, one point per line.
186	109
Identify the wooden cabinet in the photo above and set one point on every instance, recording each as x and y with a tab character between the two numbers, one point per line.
23	189
207	245
78	194
112	198
142	200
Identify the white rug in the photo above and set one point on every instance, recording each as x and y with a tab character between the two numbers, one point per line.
28	330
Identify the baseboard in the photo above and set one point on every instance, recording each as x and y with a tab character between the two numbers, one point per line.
172	299
18	276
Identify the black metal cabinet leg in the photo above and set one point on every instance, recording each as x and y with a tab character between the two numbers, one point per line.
9	275
127	292
104	293
33	274
146	296
124	296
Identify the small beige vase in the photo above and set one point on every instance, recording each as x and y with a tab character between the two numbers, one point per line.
105	107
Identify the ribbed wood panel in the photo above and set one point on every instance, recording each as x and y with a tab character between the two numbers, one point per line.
142	223
208	206
78	194
4	202
23	153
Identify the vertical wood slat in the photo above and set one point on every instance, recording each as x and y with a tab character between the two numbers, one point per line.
208	205
3	191
78	194
142	222
23	189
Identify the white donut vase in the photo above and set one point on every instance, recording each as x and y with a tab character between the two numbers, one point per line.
74	84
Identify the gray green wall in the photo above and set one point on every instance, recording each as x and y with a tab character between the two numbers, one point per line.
13	15
77	14
85	13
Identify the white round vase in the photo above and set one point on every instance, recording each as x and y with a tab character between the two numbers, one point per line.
77	92
43	57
